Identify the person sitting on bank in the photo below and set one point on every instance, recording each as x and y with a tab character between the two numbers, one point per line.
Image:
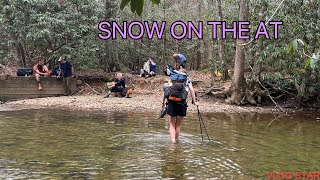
149	69
117	86
144	72
57	68
153	67
40	70
67	72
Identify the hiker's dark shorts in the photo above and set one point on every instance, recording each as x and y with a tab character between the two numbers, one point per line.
176	109
117	89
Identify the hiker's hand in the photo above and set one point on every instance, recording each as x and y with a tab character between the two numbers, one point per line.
163	104
196	103
58	77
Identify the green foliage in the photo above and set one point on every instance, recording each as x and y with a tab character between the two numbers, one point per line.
279	81
136	5
294	46
306	81
47	28
124	3
312	61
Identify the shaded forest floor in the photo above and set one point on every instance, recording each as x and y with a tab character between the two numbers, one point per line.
147	96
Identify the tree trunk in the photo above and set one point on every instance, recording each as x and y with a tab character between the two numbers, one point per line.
116	56
238	87
211	62
110	12
164	62
198	43
224	69
198	58
257	64
21	54
108	56
211	48
254	82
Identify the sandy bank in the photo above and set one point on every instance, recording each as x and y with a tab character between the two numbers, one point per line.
138	103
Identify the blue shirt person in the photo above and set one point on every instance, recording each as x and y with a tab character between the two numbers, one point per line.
182	58
66	68
67	72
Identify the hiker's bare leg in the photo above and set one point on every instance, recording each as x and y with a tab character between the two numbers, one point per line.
172	128
108	93
178	126
38	78
38	81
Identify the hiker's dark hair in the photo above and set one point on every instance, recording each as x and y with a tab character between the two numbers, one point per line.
40	67
40	58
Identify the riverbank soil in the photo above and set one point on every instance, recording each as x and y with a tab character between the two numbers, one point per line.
147	96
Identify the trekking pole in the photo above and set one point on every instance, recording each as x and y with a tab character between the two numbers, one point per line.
200	117
200	124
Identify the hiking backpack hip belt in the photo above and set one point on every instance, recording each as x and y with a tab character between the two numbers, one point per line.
177	92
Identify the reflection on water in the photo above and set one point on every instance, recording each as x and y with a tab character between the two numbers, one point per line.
52	144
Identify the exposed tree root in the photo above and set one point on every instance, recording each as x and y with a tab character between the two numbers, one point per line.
92	89
253	94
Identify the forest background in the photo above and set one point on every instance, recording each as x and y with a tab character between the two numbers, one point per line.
273	69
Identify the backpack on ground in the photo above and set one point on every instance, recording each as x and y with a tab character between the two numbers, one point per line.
24	72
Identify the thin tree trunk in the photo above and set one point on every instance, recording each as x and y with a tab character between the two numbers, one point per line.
139	47
110	12
165	37
199	43
257	65
177	45
107	65
198	57
211	62
238	86
21	54
224	69
116	54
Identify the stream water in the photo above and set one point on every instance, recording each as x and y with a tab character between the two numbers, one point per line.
59	144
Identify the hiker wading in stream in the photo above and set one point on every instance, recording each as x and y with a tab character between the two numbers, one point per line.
176	93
